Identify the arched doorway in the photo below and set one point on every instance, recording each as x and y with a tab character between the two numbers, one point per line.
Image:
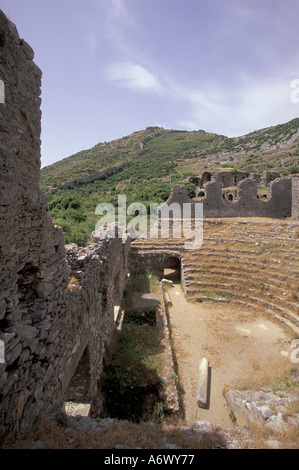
172	269
79	388
206	177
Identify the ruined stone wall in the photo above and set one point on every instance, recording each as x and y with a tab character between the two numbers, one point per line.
55	301
295	196
227	179
278	205
154	262
268	177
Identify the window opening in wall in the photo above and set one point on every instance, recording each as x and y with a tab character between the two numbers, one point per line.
206	178
172	269
27	281
117	291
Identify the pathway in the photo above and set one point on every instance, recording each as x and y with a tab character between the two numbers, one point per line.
240	347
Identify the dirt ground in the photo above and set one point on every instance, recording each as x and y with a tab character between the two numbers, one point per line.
243	348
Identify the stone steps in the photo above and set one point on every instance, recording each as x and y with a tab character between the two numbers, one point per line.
269	286
231	291
248	301
256	263
222	267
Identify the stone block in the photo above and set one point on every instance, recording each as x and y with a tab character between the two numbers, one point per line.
203	383
44	289
203	426
2	309
77	409
27	334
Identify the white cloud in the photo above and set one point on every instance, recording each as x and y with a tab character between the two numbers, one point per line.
118	19
133	76
237	112
118	9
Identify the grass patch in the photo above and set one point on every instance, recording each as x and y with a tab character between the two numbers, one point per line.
133	374
132	379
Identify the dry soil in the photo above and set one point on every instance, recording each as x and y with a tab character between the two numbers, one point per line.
242	348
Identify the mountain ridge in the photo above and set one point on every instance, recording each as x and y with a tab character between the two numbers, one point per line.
273	143
145	165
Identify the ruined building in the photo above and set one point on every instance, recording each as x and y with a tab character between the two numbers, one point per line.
59	305
56	304
231	178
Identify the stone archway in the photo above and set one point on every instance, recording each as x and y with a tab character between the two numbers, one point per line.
206	177
172	269
78	397
79	388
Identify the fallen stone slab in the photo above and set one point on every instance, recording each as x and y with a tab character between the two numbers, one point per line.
146	301
203	383
77	409
167	299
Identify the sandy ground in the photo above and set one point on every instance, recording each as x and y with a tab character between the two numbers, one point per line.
241	348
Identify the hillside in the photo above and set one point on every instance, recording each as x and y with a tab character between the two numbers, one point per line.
147	164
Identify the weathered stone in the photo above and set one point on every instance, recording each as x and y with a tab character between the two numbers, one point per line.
45	322
277	424
50	327
203	382
13	354
265	412
2	309
21	402
44	289
274	444
203	426
279	204
27	334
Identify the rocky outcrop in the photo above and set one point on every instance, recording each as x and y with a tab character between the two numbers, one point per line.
272	410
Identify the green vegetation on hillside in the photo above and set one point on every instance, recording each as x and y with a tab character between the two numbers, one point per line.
146	165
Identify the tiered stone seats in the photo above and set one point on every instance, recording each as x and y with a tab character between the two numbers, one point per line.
250	262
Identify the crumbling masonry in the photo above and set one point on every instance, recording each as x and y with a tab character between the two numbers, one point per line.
57	303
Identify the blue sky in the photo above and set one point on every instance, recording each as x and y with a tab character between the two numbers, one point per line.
113	67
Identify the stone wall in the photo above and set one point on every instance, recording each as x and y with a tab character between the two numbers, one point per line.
228	179
247	204
55	302
295	201
145	263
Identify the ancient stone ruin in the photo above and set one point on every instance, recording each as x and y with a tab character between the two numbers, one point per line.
280	203
231	178
56	303
59	304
